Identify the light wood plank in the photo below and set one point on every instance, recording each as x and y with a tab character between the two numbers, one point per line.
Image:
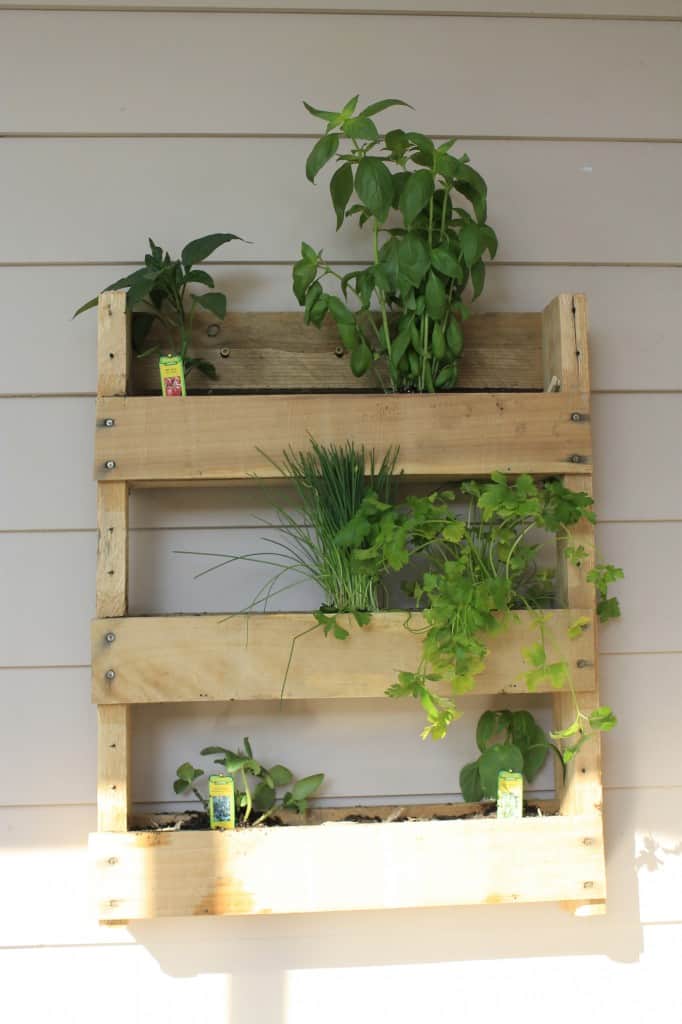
276	351
596	182
633	316
113	767
213	438
345	866
633	68
205	657
113	344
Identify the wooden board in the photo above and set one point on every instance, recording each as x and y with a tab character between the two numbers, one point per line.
277	351
209	657
347	866
440	436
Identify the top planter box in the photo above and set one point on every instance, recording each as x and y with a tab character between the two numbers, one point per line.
148	440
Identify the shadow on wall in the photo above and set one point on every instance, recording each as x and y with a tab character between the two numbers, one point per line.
266	958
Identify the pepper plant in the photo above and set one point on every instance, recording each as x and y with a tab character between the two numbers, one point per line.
263	799
158	294
474	572
426	210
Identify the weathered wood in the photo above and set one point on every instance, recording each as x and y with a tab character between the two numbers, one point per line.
439	436
209	657
278	352
347	866
113	733
113	344
566	356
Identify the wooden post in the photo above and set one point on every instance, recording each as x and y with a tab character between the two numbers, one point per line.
113	751
566	357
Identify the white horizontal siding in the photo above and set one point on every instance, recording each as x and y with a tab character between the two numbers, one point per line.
562	201
550	68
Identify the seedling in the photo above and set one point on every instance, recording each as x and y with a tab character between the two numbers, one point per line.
509	741
263	799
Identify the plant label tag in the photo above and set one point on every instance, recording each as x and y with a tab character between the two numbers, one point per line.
510	795
172	376
221	801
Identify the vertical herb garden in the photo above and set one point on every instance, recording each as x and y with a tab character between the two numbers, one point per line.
450	453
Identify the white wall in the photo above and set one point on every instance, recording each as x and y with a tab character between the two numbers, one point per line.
146	119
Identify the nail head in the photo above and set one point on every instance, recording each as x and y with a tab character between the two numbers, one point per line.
109	674
110	464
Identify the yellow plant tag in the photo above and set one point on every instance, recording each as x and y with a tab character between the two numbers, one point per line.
172	376
221	801
510	795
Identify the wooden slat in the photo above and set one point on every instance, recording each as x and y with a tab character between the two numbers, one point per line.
278	352
565	352
440	436
113	344
346	866
208	657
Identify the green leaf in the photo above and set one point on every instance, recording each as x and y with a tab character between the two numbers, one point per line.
86	305
305	788
477	278
442	259
423	144
603	719
454	337
263	797
397	143
199	277
535	755
374	186
362	618
349	108
321	153
341	189
438	342
188	773
214	302
502	757
416	195
578	627
468	240
470	783
436	299
304	273
361	128
608	608
349	335
180	786
399	347
216	750
413	258
201	248
486	729
324	115
361	359
523	728
376	108
280	775
339	311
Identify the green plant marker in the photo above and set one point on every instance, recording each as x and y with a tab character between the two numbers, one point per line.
221	801
510	795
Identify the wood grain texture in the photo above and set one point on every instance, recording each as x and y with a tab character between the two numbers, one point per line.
439	436
277	351
346	866
596	182
113	767
113	344
632	68
205	657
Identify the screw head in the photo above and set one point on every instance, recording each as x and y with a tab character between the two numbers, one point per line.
110	637
109	422
581	663
110	464
576	417
224	353
109	675
575	458
338	351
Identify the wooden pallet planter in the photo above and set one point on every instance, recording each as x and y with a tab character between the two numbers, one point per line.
149	441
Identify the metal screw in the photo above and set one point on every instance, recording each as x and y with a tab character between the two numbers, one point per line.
581	663
109	675
575	458
576	417
224	352
110	464
338	351
212	330
110	637
109	422
588	885
112	860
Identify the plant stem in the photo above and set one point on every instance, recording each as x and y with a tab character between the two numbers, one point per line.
380	294
200	798
247	793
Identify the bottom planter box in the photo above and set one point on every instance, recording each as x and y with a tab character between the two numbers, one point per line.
339	865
